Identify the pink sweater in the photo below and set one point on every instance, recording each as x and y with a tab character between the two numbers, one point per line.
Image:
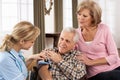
103	45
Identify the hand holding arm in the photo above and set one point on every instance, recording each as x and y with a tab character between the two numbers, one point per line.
39	56
55	57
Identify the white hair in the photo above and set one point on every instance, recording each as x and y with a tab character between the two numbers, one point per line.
72	30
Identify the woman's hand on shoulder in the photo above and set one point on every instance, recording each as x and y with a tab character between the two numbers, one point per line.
84	59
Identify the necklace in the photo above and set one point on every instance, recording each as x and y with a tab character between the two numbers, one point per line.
91	29
89	34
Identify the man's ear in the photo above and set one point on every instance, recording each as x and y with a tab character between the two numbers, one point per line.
22	41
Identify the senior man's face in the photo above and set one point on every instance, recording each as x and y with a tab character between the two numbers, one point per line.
66	43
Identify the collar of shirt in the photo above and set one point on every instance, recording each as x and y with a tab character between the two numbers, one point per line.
15	54
19	59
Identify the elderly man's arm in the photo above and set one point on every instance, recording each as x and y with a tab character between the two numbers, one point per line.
44	73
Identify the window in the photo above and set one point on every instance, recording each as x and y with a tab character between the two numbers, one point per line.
13	11
67	13
111	17
49	19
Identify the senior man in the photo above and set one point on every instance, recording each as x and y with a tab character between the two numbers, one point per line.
62	63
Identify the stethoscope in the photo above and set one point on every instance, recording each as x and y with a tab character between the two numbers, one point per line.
18	64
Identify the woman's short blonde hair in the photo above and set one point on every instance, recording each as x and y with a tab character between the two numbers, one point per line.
94	8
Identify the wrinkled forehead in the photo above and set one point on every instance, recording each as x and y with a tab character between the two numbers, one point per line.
67	35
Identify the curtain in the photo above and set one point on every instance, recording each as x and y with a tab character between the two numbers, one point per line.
74	9
58	6
39	22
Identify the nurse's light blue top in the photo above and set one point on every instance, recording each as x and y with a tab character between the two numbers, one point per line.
12	67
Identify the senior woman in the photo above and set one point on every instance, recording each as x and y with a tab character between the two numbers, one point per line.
96	43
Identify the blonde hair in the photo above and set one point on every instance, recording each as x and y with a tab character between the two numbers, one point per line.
23	30
94	8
